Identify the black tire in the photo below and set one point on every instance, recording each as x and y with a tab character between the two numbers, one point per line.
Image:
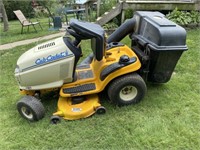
127	89
31	108
100	110
55	120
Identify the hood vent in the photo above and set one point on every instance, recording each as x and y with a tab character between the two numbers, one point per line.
46	45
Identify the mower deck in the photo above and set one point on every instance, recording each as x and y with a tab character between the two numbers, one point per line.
70	111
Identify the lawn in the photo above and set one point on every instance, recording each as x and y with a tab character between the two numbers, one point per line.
14	32
167	118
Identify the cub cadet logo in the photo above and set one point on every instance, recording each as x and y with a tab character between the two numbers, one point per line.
51	58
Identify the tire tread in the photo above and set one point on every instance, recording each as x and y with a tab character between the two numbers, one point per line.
125	78
36	106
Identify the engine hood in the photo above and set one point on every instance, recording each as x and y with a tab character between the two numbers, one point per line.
42	54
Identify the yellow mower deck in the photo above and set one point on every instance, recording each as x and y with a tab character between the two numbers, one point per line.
70	111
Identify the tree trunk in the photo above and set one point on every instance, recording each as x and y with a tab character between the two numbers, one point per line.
98	7
5	18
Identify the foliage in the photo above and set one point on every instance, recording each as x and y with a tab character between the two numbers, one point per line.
195	16
184	17
54	7
128	13
117	20
106	5
110	26
14	35
41	13
48	5
24	6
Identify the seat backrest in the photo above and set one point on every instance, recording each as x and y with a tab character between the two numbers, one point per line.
21	17
91	31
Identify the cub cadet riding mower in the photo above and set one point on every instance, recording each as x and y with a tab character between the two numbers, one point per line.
157	44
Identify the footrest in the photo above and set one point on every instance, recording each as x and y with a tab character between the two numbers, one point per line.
81	88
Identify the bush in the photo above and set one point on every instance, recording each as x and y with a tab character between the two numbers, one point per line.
195	16
106	5
128	13
24	6
184	17
110	26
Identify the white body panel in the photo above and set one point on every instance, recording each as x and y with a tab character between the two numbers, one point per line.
47	65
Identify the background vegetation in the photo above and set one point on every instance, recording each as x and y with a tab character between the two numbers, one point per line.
14	33
107	5
167	118
28	7
184	17
25	6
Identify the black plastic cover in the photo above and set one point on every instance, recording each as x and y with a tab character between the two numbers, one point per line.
161	41
158	31
91	31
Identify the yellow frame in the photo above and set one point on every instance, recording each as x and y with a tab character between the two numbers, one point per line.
98	66
70	111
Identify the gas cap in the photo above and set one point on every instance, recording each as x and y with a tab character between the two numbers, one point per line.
124	59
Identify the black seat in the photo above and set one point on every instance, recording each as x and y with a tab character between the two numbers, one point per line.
86	30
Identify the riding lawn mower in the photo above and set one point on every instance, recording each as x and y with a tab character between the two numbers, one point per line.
156	46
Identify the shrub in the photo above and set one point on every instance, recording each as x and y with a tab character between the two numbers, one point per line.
24	6
195	16
110	26
184	17
128	13
106	5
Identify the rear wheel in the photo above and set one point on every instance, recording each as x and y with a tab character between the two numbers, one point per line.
30	108
127	89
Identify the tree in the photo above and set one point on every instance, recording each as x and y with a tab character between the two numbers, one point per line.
47	5
5	18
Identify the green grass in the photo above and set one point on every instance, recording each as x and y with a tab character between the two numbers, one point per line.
14	32
167	118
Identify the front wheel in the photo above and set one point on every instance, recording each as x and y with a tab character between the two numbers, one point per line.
127	89
31	108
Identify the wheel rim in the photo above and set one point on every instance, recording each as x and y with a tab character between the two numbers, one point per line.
101	110
128	93
26	112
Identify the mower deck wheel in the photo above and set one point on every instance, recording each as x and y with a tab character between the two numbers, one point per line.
30	108
55	120
100	110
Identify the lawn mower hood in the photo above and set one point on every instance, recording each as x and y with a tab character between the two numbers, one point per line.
53	63
46	65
